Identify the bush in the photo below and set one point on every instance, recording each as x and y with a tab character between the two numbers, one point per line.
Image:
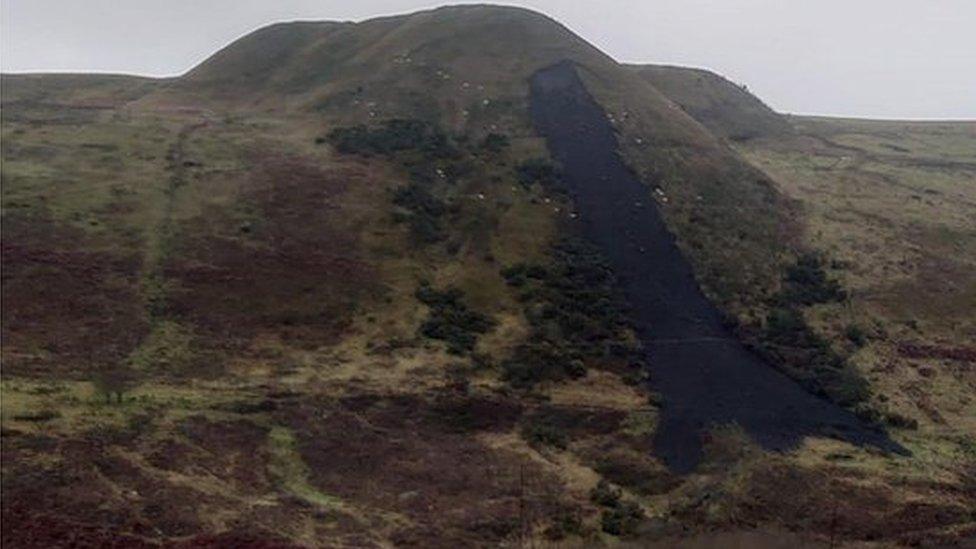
575	314
899	421
605	495
393	136
425	212
621	520
537	170
565	524
856	335
806	283
495	143
543	432
450	320
790	343
113	379
541	360
788	327
39	416
620	517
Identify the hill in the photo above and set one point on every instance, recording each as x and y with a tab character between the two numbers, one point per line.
81	90
328	288
468	69
725	108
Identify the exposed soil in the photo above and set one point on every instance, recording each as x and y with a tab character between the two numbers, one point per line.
706	376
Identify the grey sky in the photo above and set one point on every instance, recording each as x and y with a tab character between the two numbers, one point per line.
871	58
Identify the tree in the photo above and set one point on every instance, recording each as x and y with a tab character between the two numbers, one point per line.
114	378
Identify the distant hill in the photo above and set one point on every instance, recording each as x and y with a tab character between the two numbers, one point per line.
725	108
92	90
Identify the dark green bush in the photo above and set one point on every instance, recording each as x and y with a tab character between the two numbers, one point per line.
495	143
806	283
621	520
575	314
790	343
450	320
39	416
417	198
543	432
788	327
563	525
899	421
620	517
856	335
605	494
541	360
393	136
537	170
425	212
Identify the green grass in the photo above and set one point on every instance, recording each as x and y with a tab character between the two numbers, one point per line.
288	469
890	203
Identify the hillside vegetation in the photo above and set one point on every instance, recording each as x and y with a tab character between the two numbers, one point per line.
727	109
323	290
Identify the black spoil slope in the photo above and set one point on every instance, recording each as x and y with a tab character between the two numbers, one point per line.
705	375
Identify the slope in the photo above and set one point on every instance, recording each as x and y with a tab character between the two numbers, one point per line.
468	69
252	307
728	110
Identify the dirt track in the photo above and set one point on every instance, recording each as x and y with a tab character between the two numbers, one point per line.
706	376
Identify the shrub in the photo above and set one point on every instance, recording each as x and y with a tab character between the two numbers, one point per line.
575	314
899	421
621	520
565	524
537	170
113	379
856	335
543	432
425	211
393	136
39	416
806	283
791	344
541	360
620	517
788	327
605	495
843	385
450	320
495	143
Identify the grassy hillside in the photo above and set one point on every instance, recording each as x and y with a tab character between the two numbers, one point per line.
892	203
725	108
188	293
468	68
292	296
79	91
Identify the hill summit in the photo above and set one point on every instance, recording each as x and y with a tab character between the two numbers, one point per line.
725	108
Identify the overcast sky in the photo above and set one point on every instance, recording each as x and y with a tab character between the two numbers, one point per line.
871	58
